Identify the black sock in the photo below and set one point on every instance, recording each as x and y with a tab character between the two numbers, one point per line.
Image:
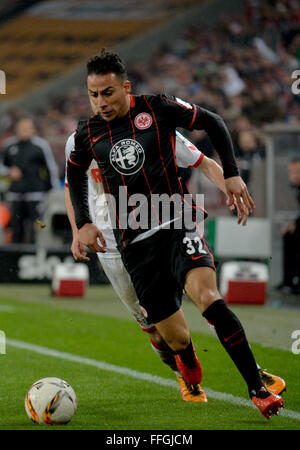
165	346
232	336
187	355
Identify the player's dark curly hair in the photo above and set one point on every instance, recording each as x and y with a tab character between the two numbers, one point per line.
106	62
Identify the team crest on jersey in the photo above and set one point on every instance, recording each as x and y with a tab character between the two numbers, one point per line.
143	121
127	156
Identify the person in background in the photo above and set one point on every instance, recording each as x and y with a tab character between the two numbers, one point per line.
28	162
249	150
291	238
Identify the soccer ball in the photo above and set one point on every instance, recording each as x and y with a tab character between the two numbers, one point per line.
50	400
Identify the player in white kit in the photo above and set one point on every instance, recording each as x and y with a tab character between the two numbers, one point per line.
187	156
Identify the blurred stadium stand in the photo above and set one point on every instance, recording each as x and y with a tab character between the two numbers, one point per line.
35	48
234	57
12	8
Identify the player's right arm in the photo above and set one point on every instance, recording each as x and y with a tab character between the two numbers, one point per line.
182	114
189	156
211	169
78	163
77	248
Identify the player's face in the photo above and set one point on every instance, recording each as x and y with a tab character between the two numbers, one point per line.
109	95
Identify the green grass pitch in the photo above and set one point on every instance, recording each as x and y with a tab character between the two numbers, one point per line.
98	327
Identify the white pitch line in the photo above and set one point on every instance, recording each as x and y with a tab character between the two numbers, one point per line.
135	374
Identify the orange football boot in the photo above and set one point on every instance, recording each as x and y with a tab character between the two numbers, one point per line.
273	383
191	393
192	373
267	403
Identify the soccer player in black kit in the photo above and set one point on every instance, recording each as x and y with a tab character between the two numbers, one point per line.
132	140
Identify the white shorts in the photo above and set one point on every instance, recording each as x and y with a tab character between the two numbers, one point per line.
121	282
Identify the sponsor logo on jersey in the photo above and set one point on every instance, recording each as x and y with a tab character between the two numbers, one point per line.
127	156
143	121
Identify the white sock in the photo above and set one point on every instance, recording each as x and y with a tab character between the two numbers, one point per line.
166	357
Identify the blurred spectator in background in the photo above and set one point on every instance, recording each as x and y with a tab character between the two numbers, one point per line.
291	238
240	68
248	149
28	162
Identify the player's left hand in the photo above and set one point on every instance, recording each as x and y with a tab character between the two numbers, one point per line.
92	238
239	198
78	251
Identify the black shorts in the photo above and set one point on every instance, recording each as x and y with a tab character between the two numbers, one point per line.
158	266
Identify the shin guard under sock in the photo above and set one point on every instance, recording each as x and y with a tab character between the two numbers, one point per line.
232	336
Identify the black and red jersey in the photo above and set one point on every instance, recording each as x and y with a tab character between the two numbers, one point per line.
137	152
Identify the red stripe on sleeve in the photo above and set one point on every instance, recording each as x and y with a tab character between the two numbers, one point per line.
194	117
198	162
177	103
172	139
